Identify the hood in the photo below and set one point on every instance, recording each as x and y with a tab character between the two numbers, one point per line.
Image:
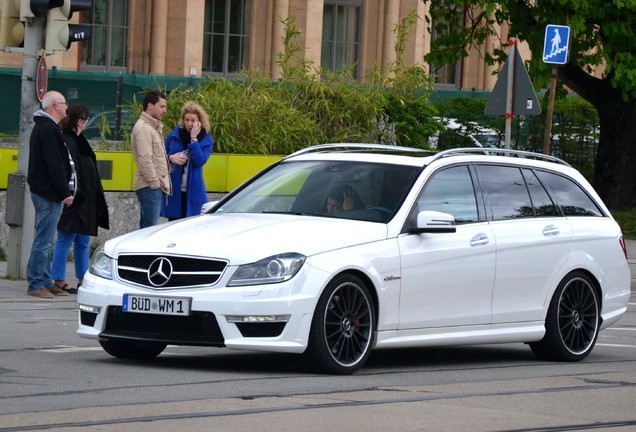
40	115
246	238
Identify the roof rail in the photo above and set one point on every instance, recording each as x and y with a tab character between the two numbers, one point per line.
346	147
499	152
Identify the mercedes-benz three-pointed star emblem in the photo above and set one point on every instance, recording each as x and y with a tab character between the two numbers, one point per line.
160	271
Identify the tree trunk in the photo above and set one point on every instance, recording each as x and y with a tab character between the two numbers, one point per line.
615	170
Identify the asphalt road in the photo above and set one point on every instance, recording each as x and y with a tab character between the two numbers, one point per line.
50	379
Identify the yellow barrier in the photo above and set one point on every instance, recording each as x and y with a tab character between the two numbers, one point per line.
8	164
116	169
222	173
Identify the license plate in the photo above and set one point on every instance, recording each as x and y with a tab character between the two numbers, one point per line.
156	305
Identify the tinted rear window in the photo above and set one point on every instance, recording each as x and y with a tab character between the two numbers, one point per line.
569	196
506	191
541	201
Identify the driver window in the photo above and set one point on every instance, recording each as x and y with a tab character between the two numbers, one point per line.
451	191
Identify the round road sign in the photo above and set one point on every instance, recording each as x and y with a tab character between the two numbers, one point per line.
42	78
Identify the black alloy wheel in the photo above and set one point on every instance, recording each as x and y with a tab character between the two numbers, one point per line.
343	326
573	320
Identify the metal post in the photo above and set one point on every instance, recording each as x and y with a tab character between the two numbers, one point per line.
510	90
548	116
21	238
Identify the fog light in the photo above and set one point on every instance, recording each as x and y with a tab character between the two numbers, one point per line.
257	318
88	308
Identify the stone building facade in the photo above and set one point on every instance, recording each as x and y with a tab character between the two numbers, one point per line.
220	37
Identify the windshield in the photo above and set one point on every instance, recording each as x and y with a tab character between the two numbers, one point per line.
350	190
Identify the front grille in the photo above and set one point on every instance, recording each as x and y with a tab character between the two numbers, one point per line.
199	328
176	271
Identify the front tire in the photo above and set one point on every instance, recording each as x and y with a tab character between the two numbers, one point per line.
342	328
133	350
573	321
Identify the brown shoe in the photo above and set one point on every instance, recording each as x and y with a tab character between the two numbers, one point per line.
68	289
56	290
41	292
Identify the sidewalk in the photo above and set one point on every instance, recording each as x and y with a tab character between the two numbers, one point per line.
14	289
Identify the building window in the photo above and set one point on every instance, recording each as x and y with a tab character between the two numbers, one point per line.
107	49
226	36
447	75
341	35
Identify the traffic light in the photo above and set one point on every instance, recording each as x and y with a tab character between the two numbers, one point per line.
31	8
11	29
16	12
59	32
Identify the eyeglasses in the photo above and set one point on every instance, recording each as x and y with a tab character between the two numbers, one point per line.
62	103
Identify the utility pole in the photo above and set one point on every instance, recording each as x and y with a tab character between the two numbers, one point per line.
23	23
21	237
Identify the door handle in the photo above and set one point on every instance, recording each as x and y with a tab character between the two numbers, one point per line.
479	240
551	230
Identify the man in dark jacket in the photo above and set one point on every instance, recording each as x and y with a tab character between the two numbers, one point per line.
50	181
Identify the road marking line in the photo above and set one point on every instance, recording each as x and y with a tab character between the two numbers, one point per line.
616	345
70	349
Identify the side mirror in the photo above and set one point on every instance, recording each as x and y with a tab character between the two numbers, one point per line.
207	206
434	222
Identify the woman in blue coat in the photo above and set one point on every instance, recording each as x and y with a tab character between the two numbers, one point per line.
188	148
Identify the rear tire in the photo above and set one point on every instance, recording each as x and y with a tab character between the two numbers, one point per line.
133	350
342	329
573	320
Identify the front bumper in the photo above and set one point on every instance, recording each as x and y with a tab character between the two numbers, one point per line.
275	318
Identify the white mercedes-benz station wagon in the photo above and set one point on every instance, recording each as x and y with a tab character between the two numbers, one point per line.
340	249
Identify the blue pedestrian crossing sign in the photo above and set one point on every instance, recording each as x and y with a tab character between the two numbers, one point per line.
556	44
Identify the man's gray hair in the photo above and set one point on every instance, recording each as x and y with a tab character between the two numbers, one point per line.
50	98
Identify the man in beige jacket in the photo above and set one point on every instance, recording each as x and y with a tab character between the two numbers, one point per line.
152	179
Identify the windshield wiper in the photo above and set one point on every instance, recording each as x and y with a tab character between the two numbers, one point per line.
291	213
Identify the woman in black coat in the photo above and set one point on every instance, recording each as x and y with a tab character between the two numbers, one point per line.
89	211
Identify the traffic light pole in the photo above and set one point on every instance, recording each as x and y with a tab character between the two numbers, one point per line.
21	237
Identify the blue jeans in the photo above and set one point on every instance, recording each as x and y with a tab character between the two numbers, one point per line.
81	244
149	206
47	215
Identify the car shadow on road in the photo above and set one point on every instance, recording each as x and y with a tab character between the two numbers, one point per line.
456	356
223	360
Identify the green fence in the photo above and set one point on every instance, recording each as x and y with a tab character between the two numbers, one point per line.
101	92
104	94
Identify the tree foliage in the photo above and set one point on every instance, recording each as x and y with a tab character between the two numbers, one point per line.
308	105
408	117
601	69
603	33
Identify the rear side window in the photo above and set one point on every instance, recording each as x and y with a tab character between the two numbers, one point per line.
451	191
569	196
507	193
541	201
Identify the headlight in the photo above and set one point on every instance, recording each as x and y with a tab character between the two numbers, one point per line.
101	264
275	269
